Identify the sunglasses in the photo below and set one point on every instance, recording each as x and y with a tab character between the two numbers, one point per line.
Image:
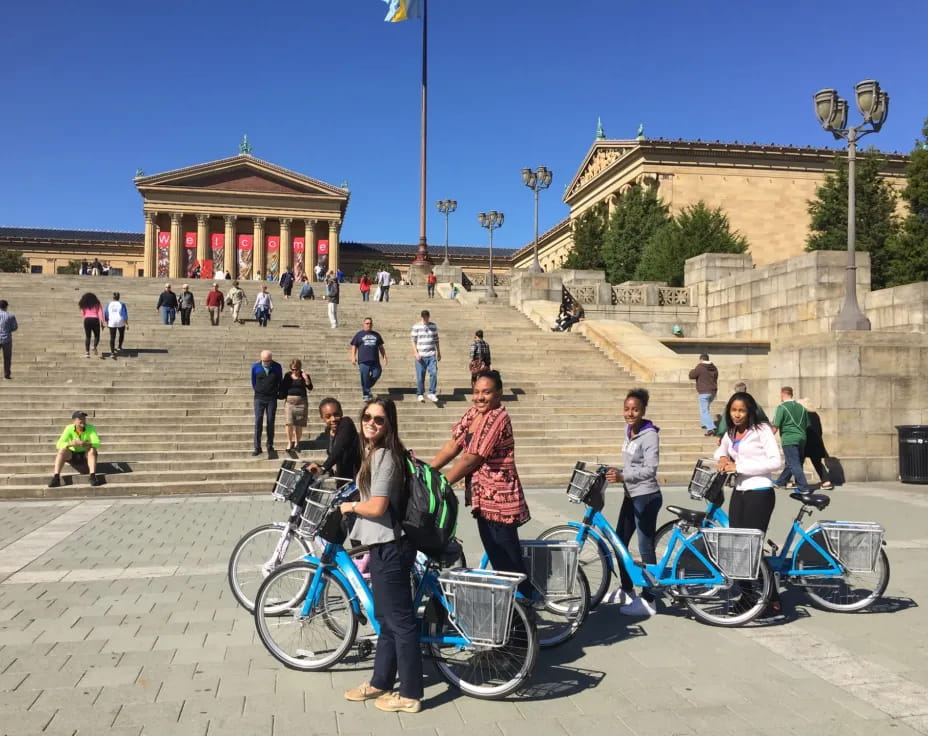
378	419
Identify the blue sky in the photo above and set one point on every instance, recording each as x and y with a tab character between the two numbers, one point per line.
90	92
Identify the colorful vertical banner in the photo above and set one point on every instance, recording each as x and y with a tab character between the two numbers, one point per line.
245	254
273	255
217	244
322	249
206	268
164	253
299	261
190	254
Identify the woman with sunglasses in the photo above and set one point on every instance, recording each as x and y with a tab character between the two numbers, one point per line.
382	476
484	447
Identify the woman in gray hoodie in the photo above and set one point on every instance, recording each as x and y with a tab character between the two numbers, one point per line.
642	501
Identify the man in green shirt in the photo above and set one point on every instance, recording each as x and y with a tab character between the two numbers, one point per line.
791	420
79	444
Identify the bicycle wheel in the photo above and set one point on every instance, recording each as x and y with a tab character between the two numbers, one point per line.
488	673
853	591
254	558
562	615
593	560
311	642
733	604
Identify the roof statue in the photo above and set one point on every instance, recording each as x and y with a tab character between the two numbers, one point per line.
640	131
344	185
139	173
600	133
244	147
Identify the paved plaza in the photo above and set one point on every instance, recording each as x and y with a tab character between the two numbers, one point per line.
116	618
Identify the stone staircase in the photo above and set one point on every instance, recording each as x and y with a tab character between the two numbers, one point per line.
174	411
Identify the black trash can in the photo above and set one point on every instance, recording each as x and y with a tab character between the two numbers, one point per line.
913	453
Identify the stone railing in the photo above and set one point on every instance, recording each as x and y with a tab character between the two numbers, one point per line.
479	279
629	295
674	296
651	295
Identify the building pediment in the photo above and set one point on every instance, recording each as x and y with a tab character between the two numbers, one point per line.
601	156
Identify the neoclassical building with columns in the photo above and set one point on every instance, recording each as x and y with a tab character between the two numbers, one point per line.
240	215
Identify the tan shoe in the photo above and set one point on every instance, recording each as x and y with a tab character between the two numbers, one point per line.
396	703
363	692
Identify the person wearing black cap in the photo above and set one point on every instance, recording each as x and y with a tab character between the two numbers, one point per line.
117	319
79	444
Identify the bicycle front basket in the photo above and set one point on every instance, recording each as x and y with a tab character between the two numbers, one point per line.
586	484
737	552
291	483
480	603
551	565
318	505
707	483
856	544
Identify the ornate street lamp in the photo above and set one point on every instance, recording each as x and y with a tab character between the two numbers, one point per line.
831	112
491	221
446	207
536	181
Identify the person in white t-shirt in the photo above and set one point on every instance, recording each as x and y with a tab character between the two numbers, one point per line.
384	281
117	319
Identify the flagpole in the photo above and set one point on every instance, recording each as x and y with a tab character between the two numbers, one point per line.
422	253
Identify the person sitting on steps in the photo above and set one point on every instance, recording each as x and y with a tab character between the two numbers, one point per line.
79	445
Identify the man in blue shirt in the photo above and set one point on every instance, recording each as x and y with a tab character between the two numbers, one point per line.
366	350
7	327
266	376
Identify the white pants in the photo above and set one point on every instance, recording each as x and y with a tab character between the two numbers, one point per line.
333	314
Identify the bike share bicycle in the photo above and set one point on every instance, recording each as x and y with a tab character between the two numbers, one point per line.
841	565
718	573
307	612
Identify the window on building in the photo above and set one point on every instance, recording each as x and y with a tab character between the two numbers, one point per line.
115	271
35	269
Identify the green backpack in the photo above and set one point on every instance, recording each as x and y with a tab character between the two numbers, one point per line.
429	512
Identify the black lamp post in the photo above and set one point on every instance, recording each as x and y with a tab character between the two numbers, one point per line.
446	207
536	181
491	221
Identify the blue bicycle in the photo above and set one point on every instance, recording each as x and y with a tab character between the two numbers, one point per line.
841	564
307	612
719	573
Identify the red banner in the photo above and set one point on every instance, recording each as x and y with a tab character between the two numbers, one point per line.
273	242
190	240
217	241
299	248
245	242
164	251
322	247
299	245
245	246
206	269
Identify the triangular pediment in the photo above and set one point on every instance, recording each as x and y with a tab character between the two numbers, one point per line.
601	156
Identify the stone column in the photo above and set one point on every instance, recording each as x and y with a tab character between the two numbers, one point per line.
203	250
259	261
230	254
286	259
175	266
309	255
150	262
334	225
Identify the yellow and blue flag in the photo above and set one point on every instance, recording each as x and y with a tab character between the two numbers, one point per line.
403	10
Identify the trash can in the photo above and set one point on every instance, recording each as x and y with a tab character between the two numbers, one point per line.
913	453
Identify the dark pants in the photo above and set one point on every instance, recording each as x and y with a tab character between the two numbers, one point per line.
263	315
370	374
265	405
793	456
820	469
7	349
501	543
185	315
752	510
122	336
431	291
384	294
398	651
365	296
91	327
639	513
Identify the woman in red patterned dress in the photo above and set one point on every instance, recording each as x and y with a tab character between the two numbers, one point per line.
484	447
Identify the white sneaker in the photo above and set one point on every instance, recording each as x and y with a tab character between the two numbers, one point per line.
622	597
420	397
433	397
638	607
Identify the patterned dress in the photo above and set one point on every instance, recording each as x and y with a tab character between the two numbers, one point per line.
493	489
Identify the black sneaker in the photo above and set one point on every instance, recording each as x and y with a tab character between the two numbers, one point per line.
55	482
255	452
95	480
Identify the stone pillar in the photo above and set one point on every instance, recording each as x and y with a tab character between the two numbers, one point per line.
229	252
286	259
203	251
175	265
150	262
309	255
259	262
334	225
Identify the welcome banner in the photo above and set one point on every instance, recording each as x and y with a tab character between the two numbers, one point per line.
217	243
164	250
273	255
190	254
245	254
299	262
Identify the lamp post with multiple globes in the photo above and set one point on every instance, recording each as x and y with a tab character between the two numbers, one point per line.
491	221
536	181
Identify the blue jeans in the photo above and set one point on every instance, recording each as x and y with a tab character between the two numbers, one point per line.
365	296
793	456
167	315
429	364
705	416
370	374
639	513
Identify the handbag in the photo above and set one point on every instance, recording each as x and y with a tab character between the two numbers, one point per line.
477	366
229	301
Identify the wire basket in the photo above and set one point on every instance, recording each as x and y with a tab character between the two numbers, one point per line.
480	603
737	552
291	483
707	483
318	506
587	480
551	565
856	544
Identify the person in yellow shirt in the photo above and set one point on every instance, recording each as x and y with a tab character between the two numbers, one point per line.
79	445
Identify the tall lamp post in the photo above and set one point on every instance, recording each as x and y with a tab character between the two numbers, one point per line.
831	112
536	181
491	221
446	207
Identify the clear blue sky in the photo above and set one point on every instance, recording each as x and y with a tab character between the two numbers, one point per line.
92	91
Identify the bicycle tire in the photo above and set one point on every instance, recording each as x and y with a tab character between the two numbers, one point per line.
593	561
310	643
851	584
479	671
249	557
728	606
561	617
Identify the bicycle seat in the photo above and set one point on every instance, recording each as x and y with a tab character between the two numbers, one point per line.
819	500
689	515
450	555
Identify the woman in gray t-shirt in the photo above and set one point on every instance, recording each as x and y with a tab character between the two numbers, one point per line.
382	475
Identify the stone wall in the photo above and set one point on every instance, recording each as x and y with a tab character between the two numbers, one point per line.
900	309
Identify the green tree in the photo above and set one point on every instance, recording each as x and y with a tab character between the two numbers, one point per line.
908	256
13	261
876	214
73	267
372	268
638	215
695	230
589	230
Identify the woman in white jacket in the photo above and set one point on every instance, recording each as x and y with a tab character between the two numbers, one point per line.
750	451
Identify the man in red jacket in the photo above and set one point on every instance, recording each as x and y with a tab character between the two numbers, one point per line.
215	304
